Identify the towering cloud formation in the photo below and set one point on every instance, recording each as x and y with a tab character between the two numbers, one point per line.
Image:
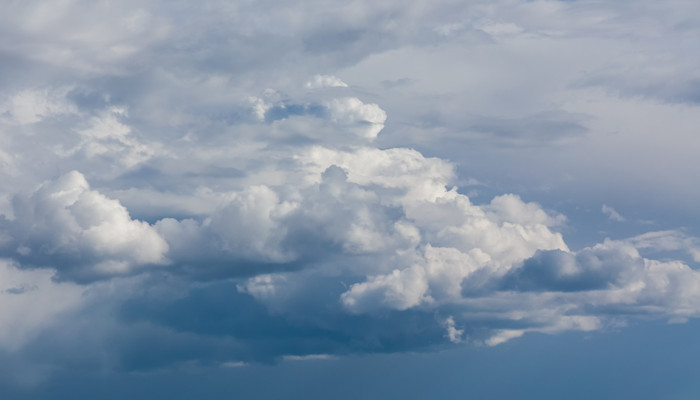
207	192
348	245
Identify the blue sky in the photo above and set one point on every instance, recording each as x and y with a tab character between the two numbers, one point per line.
490	199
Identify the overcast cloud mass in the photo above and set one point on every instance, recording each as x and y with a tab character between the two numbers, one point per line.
201	186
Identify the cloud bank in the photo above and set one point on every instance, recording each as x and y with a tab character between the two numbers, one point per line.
167	202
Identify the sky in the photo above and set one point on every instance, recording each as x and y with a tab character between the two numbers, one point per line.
363	199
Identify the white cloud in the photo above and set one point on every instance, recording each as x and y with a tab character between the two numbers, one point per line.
454	334
30	106
366	120
324	81
500	29
81	232
401	289
612	214
668	241
308	357
510	208
107	135
503	336
262	286
234	364
260	107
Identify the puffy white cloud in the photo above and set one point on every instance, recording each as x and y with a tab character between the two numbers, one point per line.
247	224
510	208
261	286
469	240
366	120
589	289
401	289
80	232
406	170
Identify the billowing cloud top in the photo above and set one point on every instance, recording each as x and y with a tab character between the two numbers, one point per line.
207	181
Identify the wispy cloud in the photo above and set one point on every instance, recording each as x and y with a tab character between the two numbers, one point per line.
612	214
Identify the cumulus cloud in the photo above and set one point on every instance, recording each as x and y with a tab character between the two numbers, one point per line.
192	196
378	235
401	289
351	111
82	233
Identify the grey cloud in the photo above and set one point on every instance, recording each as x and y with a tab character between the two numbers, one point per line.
390	84
673	87
284	111
545	128
20	289
560	271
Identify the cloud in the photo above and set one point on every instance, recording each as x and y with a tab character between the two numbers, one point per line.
323	81
401	289
612	214
333	248
351	111
107	136
31	106
176	191
82	233
546	127
31	302
671	240
308	357
454	334
233	364
382	219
